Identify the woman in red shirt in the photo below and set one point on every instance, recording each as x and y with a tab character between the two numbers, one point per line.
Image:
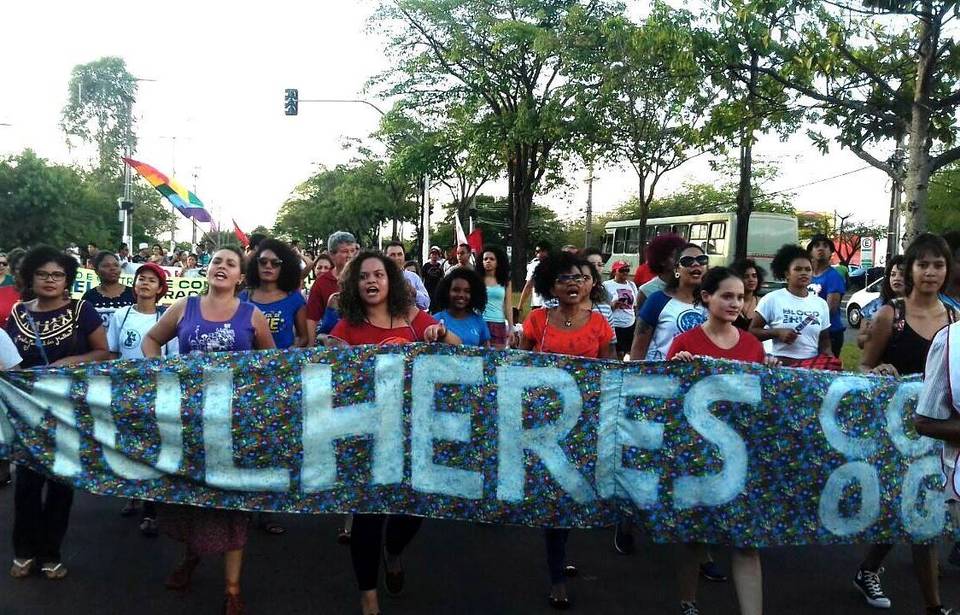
569	328
722	293
376	308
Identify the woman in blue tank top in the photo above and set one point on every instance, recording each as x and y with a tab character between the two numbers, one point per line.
273	283
216	322
498	311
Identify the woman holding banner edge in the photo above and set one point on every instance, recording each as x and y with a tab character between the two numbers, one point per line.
900	339
376	308
49	330
214	322
568	328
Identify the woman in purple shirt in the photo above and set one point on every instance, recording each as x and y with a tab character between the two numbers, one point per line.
216	322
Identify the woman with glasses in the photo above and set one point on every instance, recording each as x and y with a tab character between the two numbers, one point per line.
48	330
797	320
273	283
566	328
669	312
110	295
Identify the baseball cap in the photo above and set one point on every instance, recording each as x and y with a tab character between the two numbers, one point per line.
821	238
156	270
619	265
143	245
436	249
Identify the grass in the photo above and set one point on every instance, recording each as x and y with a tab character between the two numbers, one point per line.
850	355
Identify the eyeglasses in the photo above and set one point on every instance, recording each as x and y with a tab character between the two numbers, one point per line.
56	276
578	278
273	262
689	261
3	263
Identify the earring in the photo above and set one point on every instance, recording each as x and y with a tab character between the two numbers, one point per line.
676	274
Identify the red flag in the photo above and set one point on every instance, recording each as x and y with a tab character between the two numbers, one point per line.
244	240
475	239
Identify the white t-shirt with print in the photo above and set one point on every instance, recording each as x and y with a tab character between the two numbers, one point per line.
674	318
809	315
9	355
127	329
626	294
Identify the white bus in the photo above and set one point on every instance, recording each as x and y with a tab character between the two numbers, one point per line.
715	233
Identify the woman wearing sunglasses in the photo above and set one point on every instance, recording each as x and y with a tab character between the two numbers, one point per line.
671	311
568	328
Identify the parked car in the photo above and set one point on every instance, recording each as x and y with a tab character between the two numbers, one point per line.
859	300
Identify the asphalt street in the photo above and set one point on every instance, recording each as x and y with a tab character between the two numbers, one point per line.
451	568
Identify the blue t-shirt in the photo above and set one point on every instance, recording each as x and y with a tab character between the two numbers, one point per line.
828	282
472	329
281	316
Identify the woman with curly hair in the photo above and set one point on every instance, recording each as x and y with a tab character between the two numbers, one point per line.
459	299
797	320
752	275
566	328
273	282
660	255
498	311
376	308
48	330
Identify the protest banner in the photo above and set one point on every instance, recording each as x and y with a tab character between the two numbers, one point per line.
710	451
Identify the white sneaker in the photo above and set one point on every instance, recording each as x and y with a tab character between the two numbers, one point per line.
868	582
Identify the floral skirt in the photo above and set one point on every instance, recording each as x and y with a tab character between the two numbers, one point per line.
205	530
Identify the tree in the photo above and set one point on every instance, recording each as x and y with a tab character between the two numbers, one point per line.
943	214
877	72
99	110
509	58
736	52
356	198
653	110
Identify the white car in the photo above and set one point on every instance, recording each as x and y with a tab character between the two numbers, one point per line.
859	300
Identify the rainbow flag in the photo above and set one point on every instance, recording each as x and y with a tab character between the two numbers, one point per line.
186	202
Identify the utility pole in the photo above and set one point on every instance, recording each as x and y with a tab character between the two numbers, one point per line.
893	222
588	232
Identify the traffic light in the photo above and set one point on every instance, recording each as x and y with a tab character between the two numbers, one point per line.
291	101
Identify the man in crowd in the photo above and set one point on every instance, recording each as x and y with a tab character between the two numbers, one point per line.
433	270
143	253
203	254
542	251
395	252
464	256
829	285
92	250
342	246
571	249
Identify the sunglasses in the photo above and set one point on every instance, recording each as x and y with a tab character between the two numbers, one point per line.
689	261
273	262
564	278
3	263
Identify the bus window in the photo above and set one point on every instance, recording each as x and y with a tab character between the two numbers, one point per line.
608	243
650	233
662	229
718	230
619	240
633	241
682	230
698	231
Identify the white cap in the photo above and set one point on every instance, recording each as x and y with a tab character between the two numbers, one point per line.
143	246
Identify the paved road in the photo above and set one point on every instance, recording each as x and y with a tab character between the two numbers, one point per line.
451	568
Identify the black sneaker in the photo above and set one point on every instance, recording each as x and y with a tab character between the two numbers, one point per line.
623	539
711	571
689	608
954	557
942	610
868	582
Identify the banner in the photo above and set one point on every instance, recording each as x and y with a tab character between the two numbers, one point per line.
711	451
177	288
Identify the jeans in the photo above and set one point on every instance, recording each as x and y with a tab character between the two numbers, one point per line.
39	524
367	538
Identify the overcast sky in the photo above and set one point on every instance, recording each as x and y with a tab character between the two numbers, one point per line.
220	71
